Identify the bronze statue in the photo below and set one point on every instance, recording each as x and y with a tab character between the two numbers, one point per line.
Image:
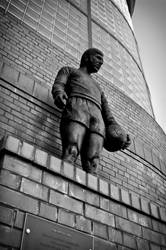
87	123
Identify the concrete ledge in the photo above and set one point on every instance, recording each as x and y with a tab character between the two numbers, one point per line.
44	160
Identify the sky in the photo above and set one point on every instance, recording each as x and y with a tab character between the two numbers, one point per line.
149	21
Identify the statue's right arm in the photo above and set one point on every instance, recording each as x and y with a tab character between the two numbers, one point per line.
58	89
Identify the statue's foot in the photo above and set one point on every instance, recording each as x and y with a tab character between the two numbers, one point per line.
70	155
91	171
91	166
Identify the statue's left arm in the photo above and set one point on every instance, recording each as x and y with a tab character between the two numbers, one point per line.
116	138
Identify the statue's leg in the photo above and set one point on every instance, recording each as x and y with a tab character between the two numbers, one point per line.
72	134
90	153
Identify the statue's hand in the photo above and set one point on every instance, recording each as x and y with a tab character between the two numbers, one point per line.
127	142
60	100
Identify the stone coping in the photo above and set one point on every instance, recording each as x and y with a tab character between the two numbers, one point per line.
37	156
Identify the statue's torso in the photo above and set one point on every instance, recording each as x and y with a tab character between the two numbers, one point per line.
83	85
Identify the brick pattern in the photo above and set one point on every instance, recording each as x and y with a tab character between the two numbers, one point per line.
123	68
84	209
20	110
39	126
59	21
35	61
124	205
37	183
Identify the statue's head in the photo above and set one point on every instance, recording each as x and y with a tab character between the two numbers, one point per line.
92	59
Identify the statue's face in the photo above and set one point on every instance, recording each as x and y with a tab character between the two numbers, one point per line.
94	63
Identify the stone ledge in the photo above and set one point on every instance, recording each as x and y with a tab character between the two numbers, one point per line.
44	160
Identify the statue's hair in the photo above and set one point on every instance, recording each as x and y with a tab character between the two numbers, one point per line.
86	54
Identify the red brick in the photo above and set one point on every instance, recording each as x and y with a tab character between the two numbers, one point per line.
148	154
41	92
154	247
156	161
163	166
55	164
118	209
9	74
145	206
68	170
41	157
155	237
12	144
162	213
66	218
80	176
83	194
105	203
83	224
135	201
154	210
100	230
66	202
139	148
156	226
115	235
99	215
142	244
92	182
92	198
47	211
103	187
128	226
35	189
77	192
139	218
103	244
7	215
19	220
22	168
123	248
27	151
125	196
55	182
114	192
10	236
1	62
129	241
18	200
9	179
26	83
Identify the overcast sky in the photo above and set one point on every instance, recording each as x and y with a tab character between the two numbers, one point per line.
149	21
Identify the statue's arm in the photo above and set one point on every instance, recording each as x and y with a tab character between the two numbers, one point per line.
58	88
106	111
116	138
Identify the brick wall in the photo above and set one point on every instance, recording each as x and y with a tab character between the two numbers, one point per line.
37	123
37	183
130	189
26	57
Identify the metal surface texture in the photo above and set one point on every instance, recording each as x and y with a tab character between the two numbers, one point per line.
86	117
41	234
